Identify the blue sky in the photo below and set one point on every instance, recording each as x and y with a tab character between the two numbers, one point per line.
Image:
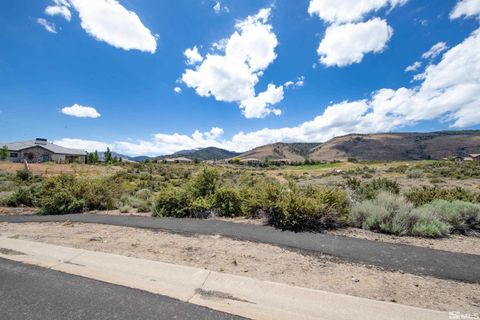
97	73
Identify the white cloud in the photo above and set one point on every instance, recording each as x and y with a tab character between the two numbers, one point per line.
341	11
413	67
193	56
60	7
49	26
80	111
467	8
177	90
218	8
259	106
450	92
88	145
435	50
295	84
232	74
346	44
108	21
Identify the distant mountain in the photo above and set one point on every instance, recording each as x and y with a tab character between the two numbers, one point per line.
101	156
183	153
383	146
140	158
210	153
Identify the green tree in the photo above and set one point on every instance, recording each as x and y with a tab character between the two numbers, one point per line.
95	157
108	156
4	153
91	158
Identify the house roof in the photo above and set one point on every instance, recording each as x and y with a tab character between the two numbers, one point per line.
475	155
21	145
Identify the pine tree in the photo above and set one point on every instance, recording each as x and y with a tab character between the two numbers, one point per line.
108	156
91	158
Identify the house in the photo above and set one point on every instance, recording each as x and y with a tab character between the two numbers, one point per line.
40	150
475	156
179	160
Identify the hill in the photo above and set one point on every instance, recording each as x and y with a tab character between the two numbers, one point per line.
210	153
277	151
383	146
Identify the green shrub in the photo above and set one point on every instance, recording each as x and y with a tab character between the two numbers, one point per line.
61	202
125	208
4	197
414	174
425	194
205	183
144	194
392	215
370	189
313	209
227	202
25	196
386	213
460	216
24	174
171	202
259	196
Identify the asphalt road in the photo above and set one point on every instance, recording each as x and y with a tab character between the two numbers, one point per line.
29	292
411	259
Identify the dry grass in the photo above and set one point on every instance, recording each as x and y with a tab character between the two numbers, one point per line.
45	169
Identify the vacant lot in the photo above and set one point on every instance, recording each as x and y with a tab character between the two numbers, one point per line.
431	199
259	261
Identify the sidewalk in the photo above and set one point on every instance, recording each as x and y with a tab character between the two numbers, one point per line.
232	294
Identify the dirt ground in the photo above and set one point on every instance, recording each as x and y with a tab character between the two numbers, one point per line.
454	243
259	261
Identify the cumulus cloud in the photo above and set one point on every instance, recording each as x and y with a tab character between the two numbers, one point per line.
449	92
80	111
49	26
177	90
413	67
232	74
335	11
193	56
435	50
60	7
88	145
346	44
108	21
346	39
467	8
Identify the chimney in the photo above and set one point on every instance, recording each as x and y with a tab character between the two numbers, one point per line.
41	141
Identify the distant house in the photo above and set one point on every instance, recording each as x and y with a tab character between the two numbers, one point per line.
40	150
475	156
179	160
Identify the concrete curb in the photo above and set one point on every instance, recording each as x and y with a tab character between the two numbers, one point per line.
229	293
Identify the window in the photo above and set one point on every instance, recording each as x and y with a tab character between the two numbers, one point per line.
13	155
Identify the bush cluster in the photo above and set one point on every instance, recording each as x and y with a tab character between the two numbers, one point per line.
367	190
66	194
287	207
425	194
391	214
